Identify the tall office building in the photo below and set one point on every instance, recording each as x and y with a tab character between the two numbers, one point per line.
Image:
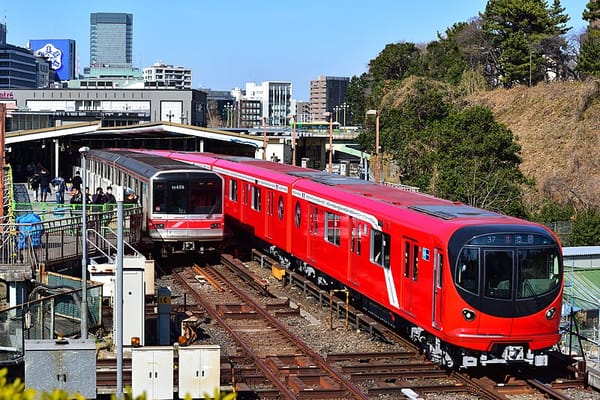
111	40
327	93
2	34
276	99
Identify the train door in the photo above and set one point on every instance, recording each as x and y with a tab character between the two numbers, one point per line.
313	232
356	227
269	215
410	272
438	270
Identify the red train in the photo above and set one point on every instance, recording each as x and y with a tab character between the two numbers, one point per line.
474	287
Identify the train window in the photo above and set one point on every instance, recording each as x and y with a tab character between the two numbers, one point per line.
498	273
298	215
332	224
440	268
177	197
205	197
538	272
233	190
280	207
415	262
406	259
256	198
159	197
313	220
467	273
270	205
246	190
380	248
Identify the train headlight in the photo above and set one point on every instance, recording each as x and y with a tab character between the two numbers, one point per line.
215	226
550	313
469	315
159	226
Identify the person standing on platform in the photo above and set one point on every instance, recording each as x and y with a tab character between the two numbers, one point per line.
76	181
44	184
60	186
76	201
34	183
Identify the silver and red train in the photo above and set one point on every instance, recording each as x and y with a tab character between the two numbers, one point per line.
182	203
474	287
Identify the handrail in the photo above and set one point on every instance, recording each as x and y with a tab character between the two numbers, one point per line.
107	242
133	249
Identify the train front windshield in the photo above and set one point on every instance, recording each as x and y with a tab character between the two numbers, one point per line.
509	267
187	193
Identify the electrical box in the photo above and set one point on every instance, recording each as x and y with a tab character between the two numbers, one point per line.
152	372
134	300
66	364
199	371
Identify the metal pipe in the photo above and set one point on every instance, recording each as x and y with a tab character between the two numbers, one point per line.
84	308
119	291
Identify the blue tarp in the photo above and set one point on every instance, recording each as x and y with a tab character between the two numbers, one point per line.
30	231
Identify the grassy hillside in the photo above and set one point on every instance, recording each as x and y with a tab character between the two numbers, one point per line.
558	127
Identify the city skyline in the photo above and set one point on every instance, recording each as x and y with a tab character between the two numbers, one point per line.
229	44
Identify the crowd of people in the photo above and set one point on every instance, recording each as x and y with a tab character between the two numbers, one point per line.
41	184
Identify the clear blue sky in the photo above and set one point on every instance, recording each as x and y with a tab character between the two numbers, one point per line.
229	43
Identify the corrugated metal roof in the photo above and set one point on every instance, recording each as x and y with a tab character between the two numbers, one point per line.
579	251
582	289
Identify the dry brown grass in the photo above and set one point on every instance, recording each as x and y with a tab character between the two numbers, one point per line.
557	125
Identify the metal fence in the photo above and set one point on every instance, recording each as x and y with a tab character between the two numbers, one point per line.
56	236
56	314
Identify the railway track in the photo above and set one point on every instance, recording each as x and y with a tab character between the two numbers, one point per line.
268	362
396	378
296	371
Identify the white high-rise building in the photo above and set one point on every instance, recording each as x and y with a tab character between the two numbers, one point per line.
276	100
169	76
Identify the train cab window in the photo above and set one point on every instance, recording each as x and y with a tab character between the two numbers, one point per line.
233	190
177	198
498	273
538	272
467	273
280	207
332	224
256	198
160	198
380	248
205	197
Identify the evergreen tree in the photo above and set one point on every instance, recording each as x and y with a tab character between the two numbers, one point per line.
395	62
518	30
588	60
592	11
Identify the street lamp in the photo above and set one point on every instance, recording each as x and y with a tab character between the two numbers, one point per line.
229	111
330	115
376	114
84	309
264	138
345	106
293	140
